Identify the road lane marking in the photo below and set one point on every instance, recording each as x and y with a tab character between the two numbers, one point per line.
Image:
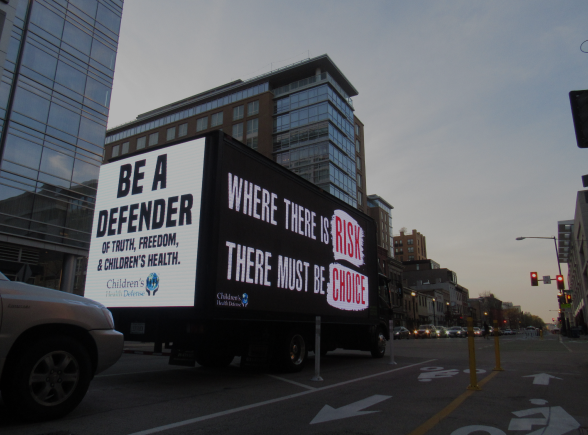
292	382
329	413
140	373
541	378
564	345
436	419
268	402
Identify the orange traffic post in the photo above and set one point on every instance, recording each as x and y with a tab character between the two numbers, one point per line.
471	346
497	348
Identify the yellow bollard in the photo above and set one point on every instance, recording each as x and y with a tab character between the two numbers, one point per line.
541	333
471	346
497	348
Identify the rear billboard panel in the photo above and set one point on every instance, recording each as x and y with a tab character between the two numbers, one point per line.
286	247
145	232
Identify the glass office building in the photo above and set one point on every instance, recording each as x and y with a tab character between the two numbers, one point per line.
54	102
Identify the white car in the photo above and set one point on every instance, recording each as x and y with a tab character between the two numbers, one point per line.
51	345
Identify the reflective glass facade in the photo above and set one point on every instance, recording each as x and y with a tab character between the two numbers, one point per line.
314	135
54	102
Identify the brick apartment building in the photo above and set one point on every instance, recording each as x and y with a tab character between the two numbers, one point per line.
410	247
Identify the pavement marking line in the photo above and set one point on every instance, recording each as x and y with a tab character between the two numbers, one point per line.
436	419
140	373
292	382
564	345
267	402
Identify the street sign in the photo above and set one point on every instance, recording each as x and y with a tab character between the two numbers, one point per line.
547	280
566	305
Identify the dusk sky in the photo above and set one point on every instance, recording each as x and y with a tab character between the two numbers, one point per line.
468	129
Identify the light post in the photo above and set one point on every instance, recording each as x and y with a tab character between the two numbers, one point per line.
564	329
434	314
413	294
448	315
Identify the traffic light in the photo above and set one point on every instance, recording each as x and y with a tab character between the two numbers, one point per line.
561	299
534	279
568	298
579	103
560	282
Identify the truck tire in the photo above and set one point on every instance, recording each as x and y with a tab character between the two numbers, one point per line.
47	379
378	348
293	352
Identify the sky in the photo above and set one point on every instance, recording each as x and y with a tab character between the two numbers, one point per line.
468	128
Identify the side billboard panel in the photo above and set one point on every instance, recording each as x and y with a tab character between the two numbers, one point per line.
145	231
286	247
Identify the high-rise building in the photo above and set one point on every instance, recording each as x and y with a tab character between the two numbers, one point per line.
54	101
410	247
301	116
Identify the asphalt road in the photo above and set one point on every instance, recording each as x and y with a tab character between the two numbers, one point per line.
424	393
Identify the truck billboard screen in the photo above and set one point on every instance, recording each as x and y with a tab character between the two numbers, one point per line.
145	232
285	247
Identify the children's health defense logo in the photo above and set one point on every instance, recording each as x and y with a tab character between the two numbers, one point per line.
152	284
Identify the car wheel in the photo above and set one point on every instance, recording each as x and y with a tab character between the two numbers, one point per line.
47	379
378	348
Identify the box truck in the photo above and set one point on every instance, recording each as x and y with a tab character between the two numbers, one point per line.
217	250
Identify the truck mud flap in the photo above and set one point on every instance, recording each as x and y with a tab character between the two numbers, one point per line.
182	357
257	356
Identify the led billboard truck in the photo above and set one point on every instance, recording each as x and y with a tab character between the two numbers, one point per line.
210	246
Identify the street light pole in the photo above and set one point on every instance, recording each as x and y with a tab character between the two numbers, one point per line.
434	314
413	294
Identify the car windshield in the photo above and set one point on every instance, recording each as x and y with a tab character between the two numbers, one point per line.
425	327
457	328
398	328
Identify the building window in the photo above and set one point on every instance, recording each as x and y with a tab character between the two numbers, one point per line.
125	148
252	128
183	130
410	249
357	146
153	139
358	162
238	131
216	119
359	180
410	242
253	108
359	198
115	151
238	112
141	142
410	257
202	124
356	130
171	134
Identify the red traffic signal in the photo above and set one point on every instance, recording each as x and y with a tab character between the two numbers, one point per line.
568	298
534	279
560	282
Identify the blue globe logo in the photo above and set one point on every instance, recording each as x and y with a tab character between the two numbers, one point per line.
245	299
152	284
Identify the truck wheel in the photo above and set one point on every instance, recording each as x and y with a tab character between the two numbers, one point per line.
378	349
294	352
48	379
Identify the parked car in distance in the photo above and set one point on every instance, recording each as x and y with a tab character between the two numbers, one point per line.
477	332
465	332
425	331
401	332
52	344
455	331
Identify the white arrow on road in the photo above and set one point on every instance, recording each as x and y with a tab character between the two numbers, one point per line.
542	378
353	410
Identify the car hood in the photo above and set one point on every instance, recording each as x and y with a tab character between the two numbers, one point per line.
36	293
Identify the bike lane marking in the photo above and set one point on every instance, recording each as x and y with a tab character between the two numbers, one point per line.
437	418
268	402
